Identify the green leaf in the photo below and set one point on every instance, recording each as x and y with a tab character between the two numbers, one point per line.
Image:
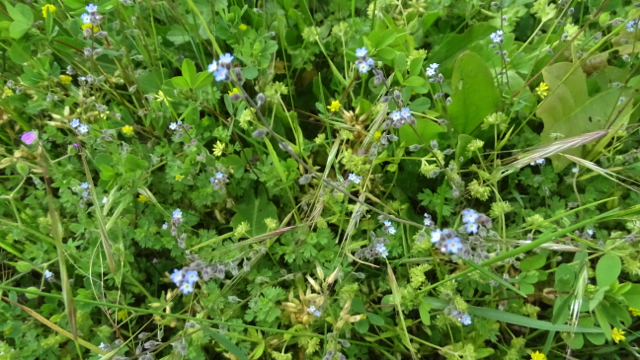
380	39
180	82
565	276
133	164
375	319
386	53
362	326
420	105
533	262
189	71
107	173
204	78
250	72
227	344
608	269
424	313
632	296
254	210
22	266
603	322
474	93
568	110
414	81
177	35
510	318
495	277
401	61
415	67
20	52
23	19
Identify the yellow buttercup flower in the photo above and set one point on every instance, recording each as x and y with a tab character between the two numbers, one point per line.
65	79
618	335
7	92
634	311
542	90
335	106
242	27
128	130
48	9
377	135
217	148
88	26
179	177
538	356
122	314
234	91
143	199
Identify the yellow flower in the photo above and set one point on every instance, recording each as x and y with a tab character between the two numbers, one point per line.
48	9
335	106
64	79
122	314
618	335
234	91
143	199
7	92
179	177
8	331
128	130
538	356
634	311
88	26
217	148
242	27
161	97
542	90
377	135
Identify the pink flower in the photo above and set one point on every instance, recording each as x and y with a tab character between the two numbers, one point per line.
29	137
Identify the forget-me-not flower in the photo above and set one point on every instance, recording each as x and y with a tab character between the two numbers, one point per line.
173	126
165	226
465	319
436	235
86	18
74	123
220	74
83	129
177	214
469	216
363	67
176	277
225	58
186	288
212	67
192	276
91	8
453	245
84	185
382	251
361	52
48	274
354	178
471	228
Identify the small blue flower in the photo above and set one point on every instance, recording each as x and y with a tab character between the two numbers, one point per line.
382	251
391	230
405	113
453	245
177	214
363	67
165	226
176	277
315	311
91	8
497	37
428	221
225	58
434	66
387	223
212	67
430	72
395	115
370	62
465	319
631	26
84	185
83	129
469	216
540	161
173	126
361	52
471	228
86	18
220	74
74	123
192	276
590	232
436	235
186	288
354	178
48	274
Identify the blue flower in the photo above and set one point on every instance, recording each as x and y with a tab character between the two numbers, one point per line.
363	67
428	221
212	67
48	274
220	74
186	288
74	123
361	52
465	319
83	129
405	113
471	228
395	115
391	231
497	37
540	161
436	235
173	126
382	251
432	70
590	232
91	8
177	214
84	185
225	58
165	226
315	311
177	276
453	245
387	223
86	18
370	62
631	26
469	216
354	178
192	276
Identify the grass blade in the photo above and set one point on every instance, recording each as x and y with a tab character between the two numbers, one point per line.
496	278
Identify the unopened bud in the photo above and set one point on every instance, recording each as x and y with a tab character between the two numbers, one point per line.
259	133
261	99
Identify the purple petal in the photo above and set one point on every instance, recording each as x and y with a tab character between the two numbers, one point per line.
29	137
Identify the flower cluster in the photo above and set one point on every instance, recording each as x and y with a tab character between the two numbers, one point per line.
399	118
497	37
218	181
220	69
376	249
185	279
432	72
91	21
447	240
364	63
632	25
461	316
538	162
473	220
315	311
79	127
354	178
388	227
427	220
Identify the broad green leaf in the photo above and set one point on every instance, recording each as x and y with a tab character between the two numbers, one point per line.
474	93
386	53
414	81
23	18
375	319
533	262
189	71
254	210
603	322
20	53
424	313
401	61
565	276
420	105
227	344
632	296
608	269
568	111
511	318
362	326
203	79
427	129
180	82
178	35
18	28
250	72
133	164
